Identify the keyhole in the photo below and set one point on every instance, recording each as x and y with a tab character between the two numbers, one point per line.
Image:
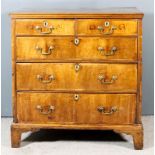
45	23
77	67
76	41
76	97
107	24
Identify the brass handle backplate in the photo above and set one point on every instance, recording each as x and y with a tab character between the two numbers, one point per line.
43	111
102	110
41	79
103	80
40	29
39	49
108	53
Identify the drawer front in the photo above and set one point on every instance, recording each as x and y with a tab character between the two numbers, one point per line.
44	27
105	109
96	48
45	107
70	76
106	27
78	108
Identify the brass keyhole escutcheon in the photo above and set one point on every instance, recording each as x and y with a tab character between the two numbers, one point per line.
77	67
76	97
45	23
106	24
76	41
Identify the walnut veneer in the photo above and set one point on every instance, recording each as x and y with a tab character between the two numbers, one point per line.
77	71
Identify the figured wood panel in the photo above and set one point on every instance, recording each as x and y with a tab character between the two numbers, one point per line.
67	78
123	27
27	107
65	49
87	109
60	27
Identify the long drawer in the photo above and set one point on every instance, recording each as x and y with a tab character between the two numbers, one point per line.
64	108
44	27
63	48
71	76
106	27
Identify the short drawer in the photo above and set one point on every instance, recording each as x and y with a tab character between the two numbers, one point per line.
44	107
106	27
44	27
71	76
105	109
63	48
77	108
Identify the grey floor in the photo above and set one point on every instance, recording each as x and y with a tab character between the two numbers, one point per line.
68	142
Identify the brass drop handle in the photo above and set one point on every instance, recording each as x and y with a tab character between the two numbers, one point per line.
110	31
50	79
42	111
103	80
50	49
102	110
40	29
109	53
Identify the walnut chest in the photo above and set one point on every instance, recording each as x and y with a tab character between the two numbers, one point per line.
77	71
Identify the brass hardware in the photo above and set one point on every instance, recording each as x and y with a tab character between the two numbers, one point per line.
100	49
76	97
45	23
100	28
111	30
40	29
41	79
109	53
102	110
43	52
104	81
76	41
42	111
107	24
77	67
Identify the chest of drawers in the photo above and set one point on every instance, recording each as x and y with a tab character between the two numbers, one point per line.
77	71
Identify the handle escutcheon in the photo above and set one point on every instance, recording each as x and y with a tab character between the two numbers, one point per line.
108	53
45	111
103	80
50	49
40	29
102	110
41	79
